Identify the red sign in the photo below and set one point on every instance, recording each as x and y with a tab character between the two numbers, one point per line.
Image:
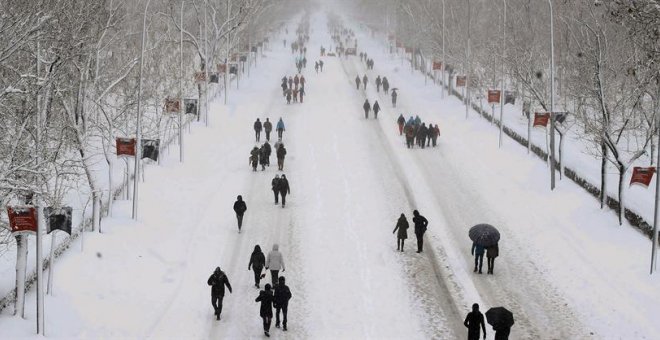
460	81
200	77
125	146
493	96
234	57
642	175
222	68
22	219
409	49
541	119
437	65
172	105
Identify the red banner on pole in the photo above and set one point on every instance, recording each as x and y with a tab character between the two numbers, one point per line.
437	65
642	175
399	44
460	81
222	68
409	49
172	105
234	57
22	219
493	96
125	146
541	119
200	77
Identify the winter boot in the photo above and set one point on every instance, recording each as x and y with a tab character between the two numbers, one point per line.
267	334
284	327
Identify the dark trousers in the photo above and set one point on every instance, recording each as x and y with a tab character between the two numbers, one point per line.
284	308
216	302
420	242
279	134
257	134
268	136
434	139
491	264
400	129
267	321
409	142
239	217
280	163
257	275
502	334
357	86
283	198
399	243
366	113
478	261
276	193
274	275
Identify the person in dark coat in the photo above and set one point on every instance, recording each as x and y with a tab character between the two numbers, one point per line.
239	209
274	184
321	65
254	158
257	264
376	109
288	96
257	129
367	107
386	85
266	150
281	153
435	132
218	280
429	134
491	253
378	83
402	225
409	129
357	82
268	127
266	309
290	82
301	93
502	333
394	95
478	252
281	302
421	135
364	81
473	320
283	188
401	121
420	228
284	88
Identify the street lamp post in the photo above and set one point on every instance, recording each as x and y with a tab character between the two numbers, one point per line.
552	100
206	65
181	102
444	60
502	84
138	144
467	75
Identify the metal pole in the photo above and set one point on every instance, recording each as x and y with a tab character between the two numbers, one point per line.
657	210
138	143
227	56
40	281
181	102
552	101
206	66
502	84
444	60
467	75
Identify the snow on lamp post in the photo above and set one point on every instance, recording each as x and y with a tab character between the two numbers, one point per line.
181	106
467	74
444	60
136	171
502	84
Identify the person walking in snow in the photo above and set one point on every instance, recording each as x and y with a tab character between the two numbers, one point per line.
378	83
386	85
420	228
288	96
409	130
296	82
473	321
295	95
254	158
275	263
274	184
394	95
257	264
478	252
290	82
364	81
435	132
267	151
266	309
257	129
283	188
316	67
280	129
263	157
321	65
421	135
357	82
401	225
281	302
301	93
491	253
281	153
367	107
401	121
376	109
268	127
302	81
239	209
284	87
218	280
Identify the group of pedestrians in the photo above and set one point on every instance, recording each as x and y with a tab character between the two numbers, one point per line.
367	61
318	65
420	222
261	155
368	108
491	253
474	322
417	133
293	88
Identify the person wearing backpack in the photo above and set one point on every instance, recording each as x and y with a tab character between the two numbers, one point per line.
281	302
266	309
218	280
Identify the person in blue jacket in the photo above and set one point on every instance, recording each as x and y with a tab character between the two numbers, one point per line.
478	252
280	128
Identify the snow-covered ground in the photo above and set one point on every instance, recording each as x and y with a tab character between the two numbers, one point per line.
566	269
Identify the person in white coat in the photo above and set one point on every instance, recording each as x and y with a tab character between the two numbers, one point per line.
274	262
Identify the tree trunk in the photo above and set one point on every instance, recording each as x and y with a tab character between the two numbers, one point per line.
622	173
561	153
21	271
603	175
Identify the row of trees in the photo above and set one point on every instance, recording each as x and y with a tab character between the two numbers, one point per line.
69	73
607	61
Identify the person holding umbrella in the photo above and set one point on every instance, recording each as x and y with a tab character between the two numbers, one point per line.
473	320
483	236
501	319
478	252
491	253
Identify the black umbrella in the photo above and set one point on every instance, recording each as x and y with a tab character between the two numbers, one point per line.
499	317
484	235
